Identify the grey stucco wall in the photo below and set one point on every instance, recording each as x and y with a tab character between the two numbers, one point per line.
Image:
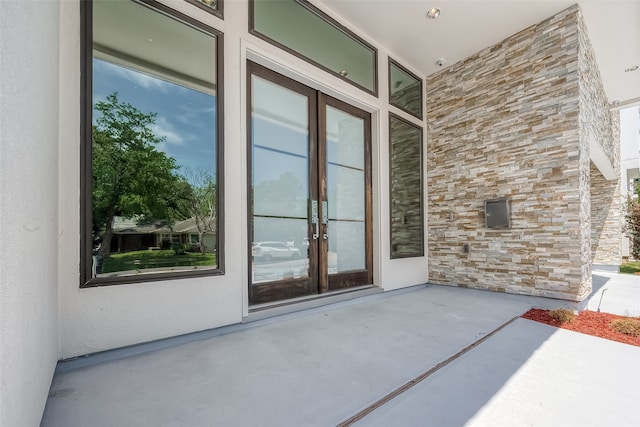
505	123
29	101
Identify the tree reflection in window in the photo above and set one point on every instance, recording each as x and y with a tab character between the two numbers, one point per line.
152	154
149	193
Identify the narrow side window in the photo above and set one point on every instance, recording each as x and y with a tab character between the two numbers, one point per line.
407	203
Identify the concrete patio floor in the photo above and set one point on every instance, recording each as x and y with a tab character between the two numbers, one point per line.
335	364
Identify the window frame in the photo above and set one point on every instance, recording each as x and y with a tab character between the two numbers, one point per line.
331	21
398	106
219	11
86	153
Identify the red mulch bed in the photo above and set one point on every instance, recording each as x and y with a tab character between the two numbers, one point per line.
586	322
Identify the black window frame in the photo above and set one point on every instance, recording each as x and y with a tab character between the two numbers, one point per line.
398	106
86	108
322	15
218	11
421	253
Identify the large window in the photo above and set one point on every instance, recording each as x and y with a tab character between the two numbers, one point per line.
152	139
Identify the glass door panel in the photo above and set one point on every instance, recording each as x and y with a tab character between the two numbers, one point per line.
345	191
346	174
310	195
280	191
346	246
345	139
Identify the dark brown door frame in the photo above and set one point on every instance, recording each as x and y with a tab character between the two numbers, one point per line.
319	281
347	279
287	288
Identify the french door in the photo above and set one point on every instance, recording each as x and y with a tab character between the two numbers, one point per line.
310	190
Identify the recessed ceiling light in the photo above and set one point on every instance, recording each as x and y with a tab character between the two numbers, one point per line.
628	70
433	13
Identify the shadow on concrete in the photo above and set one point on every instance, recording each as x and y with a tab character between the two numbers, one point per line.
597	282
526	374
615	293
457	393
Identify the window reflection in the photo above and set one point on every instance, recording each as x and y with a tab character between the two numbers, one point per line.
345	191
212	6
407	221
154	146
280	183
303	29
405	90
210	3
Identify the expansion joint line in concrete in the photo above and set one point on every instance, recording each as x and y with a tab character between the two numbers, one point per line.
369	409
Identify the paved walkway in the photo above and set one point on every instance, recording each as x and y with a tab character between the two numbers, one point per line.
323	366
615	293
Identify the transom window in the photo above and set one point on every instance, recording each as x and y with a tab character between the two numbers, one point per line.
305	31
212	6
405	89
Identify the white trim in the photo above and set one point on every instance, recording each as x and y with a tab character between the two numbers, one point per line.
244	214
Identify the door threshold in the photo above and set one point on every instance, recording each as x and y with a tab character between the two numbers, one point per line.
271	309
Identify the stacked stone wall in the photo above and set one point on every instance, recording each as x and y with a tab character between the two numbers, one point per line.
505	123
598	125
596	121
606	219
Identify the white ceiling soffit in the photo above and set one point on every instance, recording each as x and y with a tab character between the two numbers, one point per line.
466	27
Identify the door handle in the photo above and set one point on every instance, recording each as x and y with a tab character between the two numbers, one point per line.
325	212
325	218
314	219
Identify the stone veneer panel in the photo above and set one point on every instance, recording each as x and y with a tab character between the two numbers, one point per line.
505	123
606	222
600	126
596	121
